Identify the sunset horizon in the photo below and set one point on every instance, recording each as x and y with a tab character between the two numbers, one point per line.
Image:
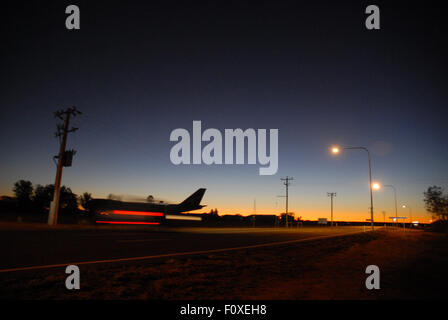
224	159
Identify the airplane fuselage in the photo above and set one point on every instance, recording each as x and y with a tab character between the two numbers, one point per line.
122	212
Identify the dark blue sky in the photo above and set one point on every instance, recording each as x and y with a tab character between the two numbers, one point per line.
140	69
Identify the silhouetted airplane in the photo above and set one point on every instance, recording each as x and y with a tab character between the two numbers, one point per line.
122	212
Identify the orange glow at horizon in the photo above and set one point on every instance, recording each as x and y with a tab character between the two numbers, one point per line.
345	214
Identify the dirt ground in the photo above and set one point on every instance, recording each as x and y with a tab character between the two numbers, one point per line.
412	264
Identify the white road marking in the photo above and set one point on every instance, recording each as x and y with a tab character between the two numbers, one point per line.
176	254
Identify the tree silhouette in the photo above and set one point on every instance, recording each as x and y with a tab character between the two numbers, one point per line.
436	202
23	190
85	200
68	201
43	195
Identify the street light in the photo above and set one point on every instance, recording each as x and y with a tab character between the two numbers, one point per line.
376	186
410	211
337	150
395	197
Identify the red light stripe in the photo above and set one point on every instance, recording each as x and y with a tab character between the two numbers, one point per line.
138	213
126	222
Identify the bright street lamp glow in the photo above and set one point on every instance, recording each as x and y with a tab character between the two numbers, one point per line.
335	150
376	186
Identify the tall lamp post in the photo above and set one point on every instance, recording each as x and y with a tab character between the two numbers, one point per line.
410	211
336	150
395	197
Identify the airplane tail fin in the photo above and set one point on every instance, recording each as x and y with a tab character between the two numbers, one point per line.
193	201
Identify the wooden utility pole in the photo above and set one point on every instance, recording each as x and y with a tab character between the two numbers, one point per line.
331	195
286	183
62	160
255	212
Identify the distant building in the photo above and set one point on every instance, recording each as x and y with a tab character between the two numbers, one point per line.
322	221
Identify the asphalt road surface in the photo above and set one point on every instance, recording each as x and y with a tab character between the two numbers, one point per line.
37	247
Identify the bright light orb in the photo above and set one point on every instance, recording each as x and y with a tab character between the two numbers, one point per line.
376	186
335	150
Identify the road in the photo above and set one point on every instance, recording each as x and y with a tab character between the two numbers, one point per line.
33	247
